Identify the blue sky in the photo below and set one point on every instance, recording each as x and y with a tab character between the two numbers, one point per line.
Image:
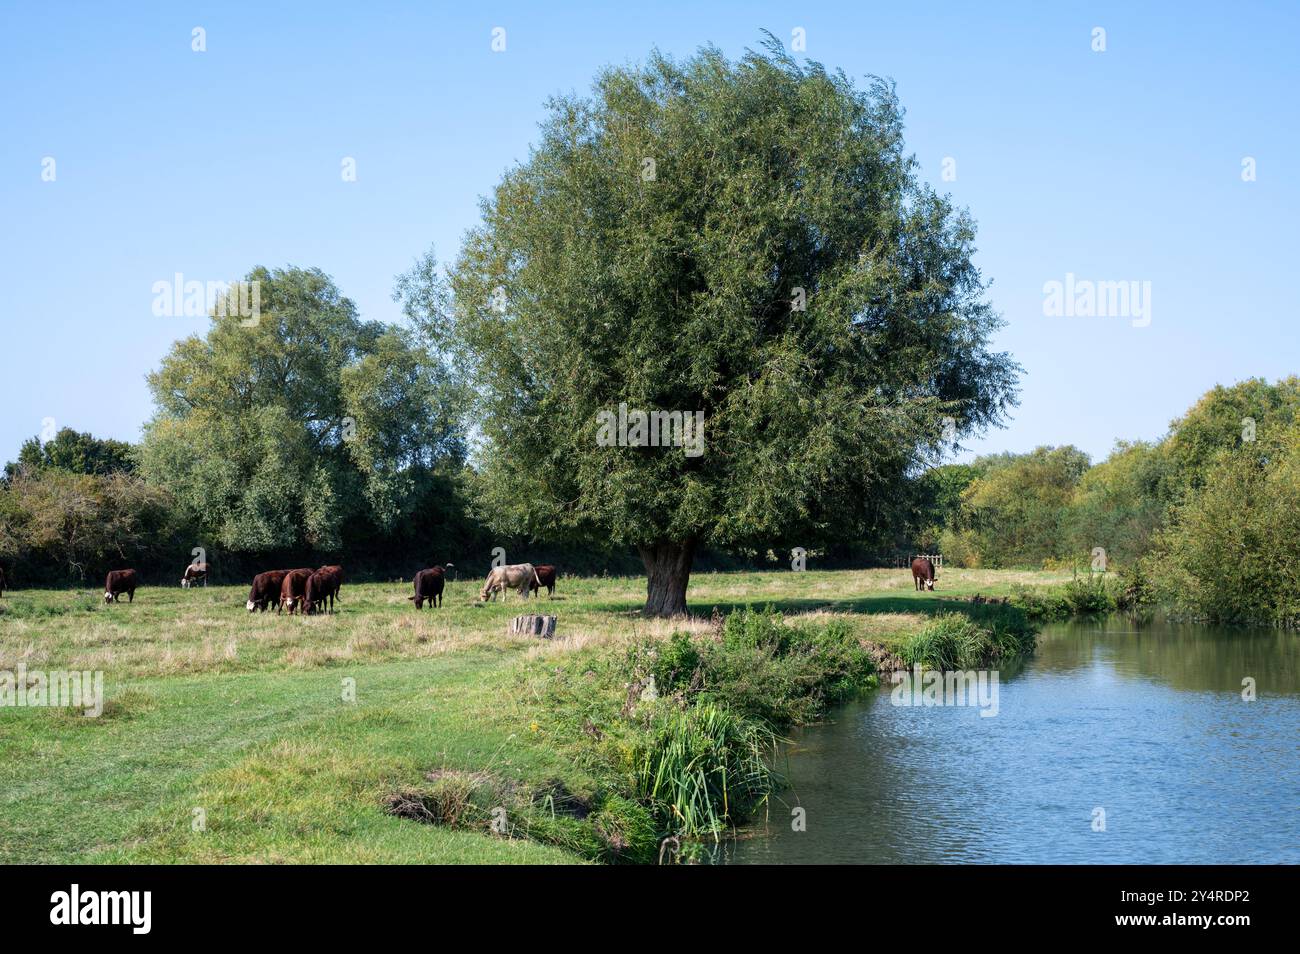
1122	165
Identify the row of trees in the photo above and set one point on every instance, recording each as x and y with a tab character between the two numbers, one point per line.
1209	512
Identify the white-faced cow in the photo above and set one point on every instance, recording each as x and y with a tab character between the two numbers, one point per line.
119	582
194	573
923	573
513	576
293	589
266	590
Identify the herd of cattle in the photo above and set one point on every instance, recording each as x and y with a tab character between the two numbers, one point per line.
309	591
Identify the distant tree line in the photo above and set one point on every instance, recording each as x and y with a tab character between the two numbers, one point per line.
1209	514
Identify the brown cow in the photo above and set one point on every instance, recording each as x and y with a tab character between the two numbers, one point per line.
266	587
322	586
293	588
119	582
545	577
923	573
428	586
194	573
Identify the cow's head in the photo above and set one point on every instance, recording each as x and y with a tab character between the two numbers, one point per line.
108	597
185	582
929	584
251	606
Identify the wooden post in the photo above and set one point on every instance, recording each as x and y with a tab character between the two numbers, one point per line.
543	626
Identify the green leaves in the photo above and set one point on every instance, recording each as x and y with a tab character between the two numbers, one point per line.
742	239
287	433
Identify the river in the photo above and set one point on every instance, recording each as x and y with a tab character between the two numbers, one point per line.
1115	743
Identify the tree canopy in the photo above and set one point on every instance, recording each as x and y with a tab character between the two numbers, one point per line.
75	452
281	434
743	240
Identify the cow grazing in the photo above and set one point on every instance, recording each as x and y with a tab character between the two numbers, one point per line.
428	586
514	576
294	588
266	589
119	582
545	577
195	573
322	586
923	573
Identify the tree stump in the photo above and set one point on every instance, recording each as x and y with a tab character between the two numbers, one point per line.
543	626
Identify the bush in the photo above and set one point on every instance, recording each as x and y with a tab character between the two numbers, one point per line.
1232	550
1135	590
1089	596
676	662
781	674
958	641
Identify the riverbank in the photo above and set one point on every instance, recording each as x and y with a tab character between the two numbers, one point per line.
235	738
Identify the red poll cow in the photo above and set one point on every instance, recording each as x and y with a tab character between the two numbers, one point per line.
322	586
266	589
545	577
293	588
923	573
428	586
119	582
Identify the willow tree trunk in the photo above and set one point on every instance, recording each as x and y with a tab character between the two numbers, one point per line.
667	570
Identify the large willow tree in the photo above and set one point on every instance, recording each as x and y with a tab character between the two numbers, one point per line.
744	239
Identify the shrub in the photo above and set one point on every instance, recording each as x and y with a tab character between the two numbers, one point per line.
959	641
1135	590
1089	596
782	674
949	641
676	661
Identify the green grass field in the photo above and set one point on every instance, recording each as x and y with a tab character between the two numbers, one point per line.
240	720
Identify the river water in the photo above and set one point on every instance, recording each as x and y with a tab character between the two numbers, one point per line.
1115	743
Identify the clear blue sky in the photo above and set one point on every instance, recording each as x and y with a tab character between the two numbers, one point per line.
1122	165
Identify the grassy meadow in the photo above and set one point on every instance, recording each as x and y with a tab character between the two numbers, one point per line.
226	737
